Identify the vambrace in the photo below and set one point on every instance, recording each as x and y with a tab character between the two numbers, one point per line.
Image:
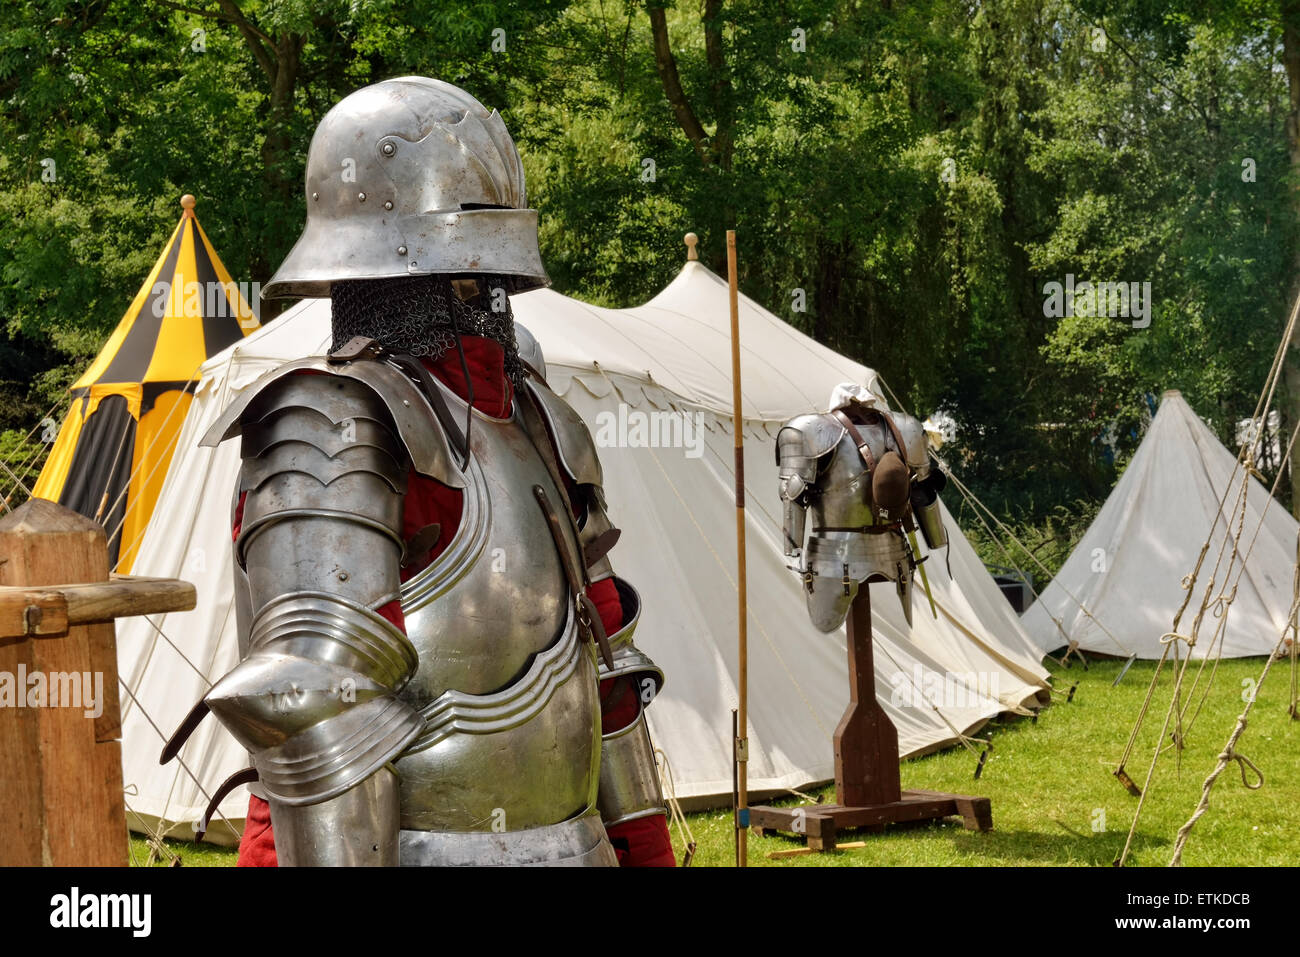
629	781
927	481
925	506
800	445
315	700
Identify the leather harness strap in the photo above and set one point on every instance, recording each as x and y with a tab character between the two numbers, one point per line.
574	570
851	427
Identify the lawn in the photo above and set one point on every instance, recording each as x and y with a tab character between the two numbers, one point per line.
1055	801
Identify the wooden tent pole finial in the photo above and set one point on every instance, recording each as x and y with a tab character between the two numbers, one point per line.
691	239
187	204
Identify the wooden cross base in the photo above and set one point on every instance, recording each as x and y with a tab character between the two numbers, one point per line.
820	823
867	789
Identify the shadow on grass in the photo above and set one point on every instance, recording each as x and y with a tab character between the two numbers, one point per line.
1000	847
1053	847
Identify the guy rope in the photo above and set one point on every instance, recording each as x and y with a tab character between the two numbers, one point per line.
1220	603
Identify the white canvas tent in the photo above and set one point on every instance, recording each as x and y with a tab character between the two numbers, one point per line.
676	507
1127	570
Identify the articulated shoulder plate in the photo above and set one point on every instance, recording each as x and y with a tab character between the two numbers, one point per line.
806	438
913	435
573	440
530	351
398	398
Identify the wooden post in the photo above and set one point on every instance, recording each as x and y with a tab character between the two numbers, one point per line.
738	427
868	790
866	741
61	797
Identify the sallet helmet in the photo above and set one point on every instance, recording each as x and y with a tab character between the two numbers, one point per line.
411	177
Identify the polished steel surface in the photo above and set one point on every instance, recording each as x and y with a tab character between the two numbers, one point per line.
830	485
577	842
398	398
315	700
390	172
505	685
573	441
530	350
629	780
630	660
358	828
487	710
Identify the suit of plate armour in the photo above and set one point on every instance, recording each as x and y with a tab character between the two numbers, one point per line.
472	738
825	476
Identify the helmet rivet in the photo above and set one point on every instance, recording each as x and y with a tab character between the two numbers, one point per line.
401	250
389	149
361	197
388	205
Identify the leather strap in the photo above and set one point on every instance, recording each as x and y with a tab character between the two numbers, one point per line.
420	544
423	378
864	451
599	547
182	733
574	569
588	616
866	529
851	427
246	776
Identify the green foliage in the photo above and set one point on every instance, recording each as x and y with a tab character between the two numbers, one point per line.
915	173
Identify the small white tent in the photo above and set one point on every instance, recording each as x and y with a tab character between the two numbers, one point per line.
676	507
1128	568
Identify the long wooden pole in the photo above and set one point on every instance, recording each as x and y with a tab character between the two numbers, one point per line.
738	427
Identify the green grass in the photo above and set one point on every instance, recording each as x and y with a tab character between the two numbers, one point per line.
1049	779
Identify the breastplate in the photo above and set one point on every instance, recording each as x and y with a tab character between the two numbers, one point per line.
838	557
843	498
507	688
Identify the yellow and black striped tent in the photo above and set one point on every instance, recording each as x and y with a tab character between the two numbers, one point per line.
115	445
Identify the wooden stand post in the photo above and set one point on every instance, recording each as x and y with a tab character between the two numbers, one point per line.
61	795
868	791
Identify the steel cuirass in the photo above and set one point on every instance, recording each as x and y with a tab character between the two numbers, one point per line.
506	687
863	476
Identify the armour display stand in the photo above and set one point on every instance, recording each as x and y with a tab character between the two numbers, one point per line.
867	786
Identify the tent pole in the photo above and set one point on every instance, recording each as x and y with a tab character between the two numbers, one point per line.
738	427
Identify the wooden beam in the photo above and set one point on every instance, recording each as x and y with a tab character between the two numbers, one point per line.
50	610
802	851
61	788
